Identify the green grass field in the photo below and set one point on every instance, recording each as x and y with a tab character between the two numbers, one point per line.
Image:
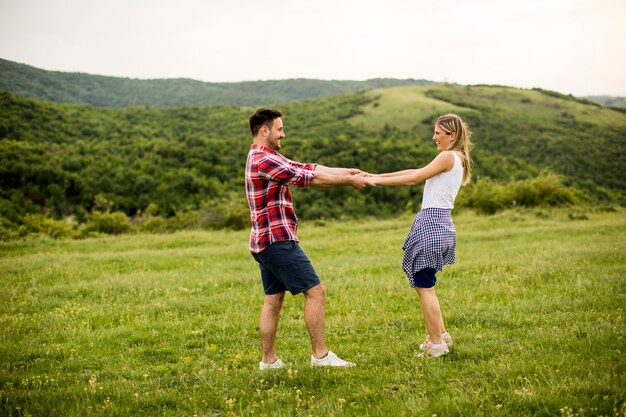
145	325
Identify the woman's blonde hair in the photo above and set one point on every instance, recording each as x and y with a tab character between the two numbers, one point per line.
452	123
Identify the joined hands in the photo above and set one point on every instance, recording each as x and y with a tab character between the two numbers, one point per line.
360	179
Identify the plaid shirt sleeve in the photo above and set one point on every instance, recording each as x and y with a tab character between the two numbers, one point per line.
278	168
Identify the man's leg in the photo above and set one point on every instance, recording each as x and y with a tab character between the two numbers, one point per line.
432	313
314	318
268	325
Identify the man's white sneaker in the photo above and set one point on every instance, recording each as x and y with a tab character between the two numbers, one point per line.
276	365
330	360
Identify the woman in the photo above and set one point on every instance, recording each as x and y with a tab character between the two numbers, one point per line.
431	242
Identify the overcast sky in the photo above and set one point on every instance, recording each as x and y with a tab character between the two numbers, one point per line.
572	46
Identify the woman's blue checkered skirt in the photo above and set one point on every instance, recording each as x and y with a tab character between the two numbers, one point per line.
431	242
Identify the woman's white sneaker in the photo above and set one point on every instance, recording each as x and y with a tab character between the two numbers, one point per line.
445	336
434	350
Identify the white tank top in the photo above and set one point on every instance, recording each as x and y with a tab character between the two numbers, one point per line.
441	190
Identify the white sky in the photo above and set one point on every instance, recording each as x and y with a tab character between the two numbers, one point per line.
572	46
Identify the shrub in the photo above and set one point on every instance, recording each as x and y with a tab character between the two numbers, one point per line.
109	223
36	224
149	222
153	224
236	214
229	213
7	230
484	196
546	190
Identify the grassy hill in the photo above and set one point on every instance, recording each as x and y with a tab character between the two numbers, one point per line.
101	91
399	106
402	108
62	159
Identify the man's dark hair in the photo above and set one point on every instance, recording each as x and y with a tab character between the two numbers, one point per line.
262	117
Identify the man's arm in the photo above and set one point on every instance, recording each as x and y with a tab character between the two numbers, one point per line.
337	171
325	177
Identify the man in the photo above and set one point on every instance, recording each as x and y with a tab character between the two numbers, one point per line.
273	240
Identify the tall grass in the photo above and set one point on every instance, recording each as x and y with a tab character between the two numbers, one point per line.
167	324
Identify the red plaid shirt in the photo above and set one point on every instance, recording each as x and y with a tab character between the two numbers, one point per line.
268	176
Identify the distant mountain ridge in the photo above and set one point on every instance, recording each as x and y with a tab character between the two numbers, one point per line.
609	101
104	91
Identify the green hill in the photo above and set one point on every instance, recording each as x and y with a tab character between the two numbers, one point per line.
101	91
61	159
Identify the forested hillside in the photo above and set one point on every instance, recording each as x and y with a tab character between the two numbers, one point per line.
101	91
60	159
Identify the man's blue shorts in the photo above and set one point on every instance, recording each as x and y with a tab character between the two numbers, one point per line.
285	267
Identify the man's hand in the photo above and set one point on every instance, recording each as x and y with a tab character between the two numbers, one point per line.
360	181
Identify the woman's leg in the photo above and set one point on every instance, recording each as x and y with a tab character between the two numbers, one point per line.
432	313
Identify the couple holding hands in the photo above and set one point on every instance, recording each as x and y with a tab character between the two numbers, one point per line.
430	244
